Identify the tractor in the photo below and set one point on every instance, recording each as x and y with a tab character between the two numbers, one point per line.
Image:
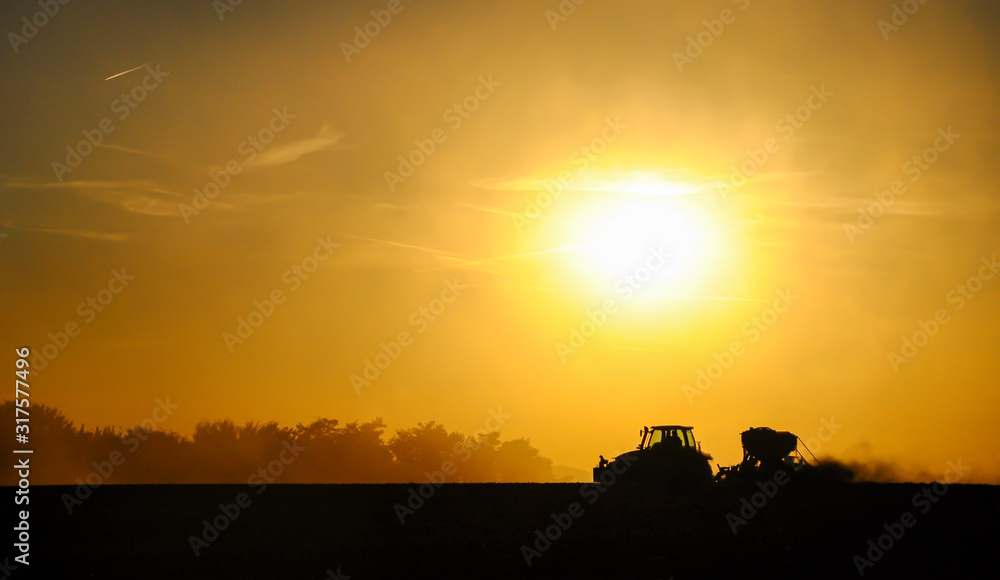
666	454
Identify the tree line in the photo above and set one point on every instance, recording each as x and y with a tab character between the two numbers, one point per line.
221	451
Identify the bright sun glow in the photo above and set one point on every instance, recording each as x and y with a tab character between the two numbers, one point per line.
651	225
632	235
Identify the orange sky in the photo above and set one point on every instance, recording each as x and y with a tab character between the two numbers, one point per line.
400	190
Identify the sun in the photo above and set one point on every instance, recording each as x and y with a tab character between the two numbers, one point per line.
640	230
633	235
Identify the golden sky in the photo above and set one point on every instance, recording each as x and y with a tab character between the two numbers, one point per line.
773	194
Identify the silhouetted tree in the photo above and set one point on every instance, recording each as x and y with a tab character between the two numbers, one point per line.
424	449
478	459
223	452
354	453
60	451
157	457
519	461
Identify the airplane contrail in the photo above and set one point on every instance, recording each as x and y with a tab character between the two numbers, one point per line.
126	72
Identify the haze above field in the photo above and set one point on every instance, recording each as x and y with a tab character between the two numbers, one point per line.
771	213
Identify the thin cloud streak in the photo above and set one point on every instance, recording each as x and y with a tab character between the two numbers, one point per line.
114	76
124	149
436	252
282	154
74	185
77	233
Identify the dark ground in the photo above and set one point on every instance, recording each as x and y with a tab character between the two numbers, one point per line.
477	530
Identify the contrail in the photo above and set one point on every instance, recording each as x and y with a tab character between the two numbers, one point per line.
412	247
126	72
735	298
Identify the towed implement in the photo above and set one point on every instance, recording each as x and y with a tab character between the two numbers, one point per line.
765	451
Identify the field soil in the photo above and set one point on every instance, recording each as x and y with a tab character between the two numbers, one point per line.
479	530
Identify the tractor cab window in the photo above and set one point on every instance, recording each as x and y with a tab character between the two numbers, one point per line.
673	438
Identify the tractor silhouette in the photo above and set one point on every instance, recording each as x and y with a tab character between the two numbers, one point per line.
666	454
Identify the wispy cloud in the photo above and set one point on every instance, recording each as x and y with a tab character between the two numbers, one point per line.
500	264
76	185
390	207
136	196
961	205
124	149
472	264
436	252
281	154
72	232
665	182
144	201
488	209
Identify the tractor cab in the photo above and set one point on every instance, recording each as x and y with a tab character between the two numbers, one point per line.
673	436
